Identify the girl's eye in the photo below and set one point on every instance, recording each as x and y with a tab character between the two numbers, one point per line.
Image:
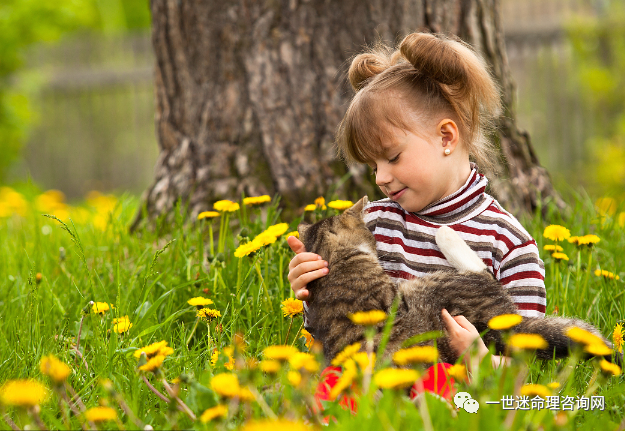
394	159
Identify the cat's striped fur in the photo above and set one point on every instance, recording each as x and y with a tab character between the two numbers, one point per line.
357	282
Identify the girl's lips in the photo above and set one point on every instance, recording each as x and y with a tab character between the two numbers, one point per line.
396	195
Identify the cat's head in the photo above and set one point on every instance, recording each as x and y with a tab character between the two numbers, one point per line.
346	230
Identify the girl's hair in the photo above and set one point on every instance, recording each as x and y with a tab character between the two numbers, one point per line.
429	76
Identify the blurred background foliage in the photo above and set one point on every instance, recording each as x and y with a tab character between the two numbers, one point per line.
26	23
76	92
599	49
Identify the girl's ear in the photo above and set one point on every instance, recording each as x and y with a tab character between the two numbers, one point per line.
448	131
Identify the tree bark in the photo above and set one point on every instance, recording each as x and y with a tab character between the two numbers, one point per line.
249	94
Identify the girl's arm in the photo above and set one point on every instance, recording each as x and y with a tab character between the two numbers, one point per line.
462	336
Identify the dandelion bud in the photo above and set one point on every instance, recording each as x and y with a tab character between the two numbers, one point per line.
61	254
38	277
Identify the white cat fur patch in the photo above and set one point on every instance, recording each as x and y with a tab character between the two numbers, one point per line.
457	252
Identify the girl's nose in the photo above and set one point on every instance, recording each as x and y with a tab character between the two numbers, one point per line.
382	177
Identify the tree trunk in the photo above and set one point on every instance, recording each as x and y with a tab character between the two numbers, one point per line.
249	94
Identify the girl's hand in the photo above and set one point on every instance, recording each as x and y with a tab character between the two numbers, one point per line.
304	268
462	335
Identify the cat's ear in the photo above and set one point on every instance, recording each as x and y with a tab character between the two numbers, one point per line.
358	209
302	228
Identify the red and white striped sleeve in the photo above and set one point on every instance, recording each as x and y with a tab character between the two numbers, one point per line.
522	272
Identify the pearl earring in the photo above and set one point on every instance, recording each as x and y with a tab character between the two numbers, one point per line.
447	152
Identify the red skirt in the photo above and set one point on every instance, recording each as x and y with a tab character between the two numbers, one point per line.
435	380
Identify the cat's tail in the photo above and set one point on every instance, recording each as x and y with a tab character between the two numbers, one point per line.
457	251
554	331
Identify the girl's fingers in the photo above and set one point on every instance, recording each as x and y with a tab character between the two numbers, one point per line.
302	258
296	245
464	323
302	268
449	321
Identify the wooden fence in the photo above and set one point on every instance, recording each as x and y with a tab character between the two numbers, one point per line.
96	116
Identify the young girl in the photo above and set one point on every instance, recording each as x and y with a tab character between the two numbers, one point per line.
418	114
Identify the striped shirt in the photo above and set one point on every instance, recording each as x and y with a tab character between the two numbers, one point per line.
407	249
406	246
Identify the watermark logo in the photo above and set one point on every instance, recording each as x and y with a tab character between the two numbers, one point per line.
463	400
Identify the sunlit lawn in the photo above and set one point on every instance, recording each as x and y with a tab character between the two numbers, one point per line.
50	271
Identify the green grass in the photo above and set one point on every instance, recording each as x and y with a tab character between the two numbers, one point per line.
149	276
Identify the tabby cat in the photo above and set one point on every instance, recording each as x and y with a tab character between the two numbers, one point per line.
357	282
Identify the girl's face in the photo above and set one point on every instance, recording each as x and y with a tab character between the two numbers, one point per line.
414	170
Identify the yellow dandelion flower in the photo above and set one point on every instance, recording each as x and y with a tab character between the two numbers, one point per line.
277	229
415	354
573	240
346	353
617	337
588	240
153	364
219	411
458	372
345	380
265	238
606	274
309	340
256	200
279	353
553	385
200	301
23	393
100	414
310	207
552	247
559	256
292	307
504	321
598	349
534	390
208	314
556	232
340	205
53	368
395	378
154	349
363	360
367	318
247	248
226	206
225	384
245	394
527	342
228	351
294	377
294	233
582	336
610	368
305	361
121	324
100	307
275	425
207	214
270	366
606	206
214	357
320	201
